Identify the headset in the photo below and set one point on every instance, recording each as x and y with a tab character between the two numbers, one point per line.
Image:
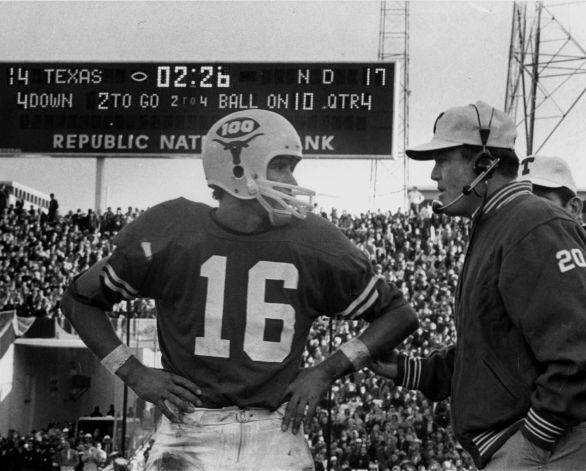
484	165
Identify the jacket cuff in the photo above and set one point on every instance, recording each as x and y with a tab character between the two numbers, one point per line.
540	431
409	370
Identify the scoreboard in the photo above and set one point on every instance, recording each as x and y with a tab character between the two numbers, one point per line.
124	109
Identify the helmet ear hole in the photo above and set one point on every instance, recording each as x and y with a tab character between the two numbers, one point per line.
238	171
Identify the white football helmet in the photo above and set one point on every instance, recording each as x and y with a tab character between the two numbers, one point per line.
236	153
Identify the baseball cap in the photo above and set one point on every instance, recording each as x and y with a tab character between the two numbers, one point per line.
550	172
461	125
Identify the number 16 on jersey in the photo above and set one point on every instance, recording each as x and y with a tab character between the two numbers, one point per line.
257	311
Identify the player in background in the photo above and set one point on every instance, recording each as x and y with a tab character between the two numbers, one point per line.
517	374
237	288
552	179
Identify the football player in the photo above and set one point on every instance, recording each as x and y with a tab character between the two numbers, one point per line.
237	288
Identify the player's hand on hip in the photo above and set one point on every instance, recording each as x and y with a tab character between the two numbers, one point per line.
386	365
165	389
304	394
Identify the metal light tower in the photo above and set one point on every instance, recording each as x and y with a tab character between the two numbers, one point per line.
393	44
545	78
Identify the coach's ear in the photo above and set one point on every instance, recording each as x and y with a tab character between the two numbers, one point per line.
574	207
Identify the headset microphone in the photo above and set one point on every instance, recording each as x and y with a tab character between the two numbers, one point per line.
438	208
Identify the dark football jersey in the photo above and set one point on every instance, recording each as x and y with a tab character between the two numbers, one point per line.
234	310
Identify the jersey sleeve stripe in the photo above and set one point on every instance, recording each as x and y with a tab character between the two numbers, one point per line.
120	281
370	301
115	283
121	291
360	299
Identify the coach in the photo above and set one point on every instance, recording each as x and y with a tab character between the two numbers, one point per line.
517	375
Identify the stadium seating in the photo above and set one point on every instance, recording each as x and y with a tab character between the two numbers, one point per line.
365	423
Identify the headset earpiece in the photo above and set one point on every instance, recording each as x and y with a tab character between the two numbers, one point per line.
483	161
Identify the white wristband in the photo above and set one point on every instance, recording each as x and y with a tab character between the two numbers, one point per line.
357	352
116	358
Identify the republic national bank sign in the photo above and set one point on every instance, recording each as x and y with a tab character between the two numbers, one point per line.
341	110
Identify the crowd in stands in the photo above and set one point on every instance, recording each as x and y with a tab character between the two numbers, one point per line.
366	422
370	424
39	254
55	448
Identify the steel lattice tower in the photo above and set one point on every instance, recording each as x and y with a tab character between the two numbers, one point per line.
545	78
393	45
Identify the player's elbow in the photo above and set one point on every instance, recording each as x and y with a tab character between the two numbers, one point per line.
409	319
67	305
73	305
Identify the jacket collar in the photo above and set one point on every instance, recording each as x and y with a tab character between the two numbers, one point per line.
507	194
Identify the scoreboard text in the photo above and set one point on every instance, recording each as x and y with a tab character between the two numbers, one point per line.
165	109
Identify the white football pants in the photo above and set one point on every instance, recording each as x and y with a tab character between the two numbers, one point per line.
230	439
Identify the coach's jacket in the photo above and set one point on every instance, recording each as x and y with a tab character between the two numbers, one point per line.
520	360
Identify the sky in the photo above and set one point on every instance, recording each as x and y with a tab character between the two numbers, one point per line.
458	54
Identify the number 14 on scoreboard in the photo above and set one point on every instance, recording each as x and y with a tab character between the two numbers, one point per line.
18	76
